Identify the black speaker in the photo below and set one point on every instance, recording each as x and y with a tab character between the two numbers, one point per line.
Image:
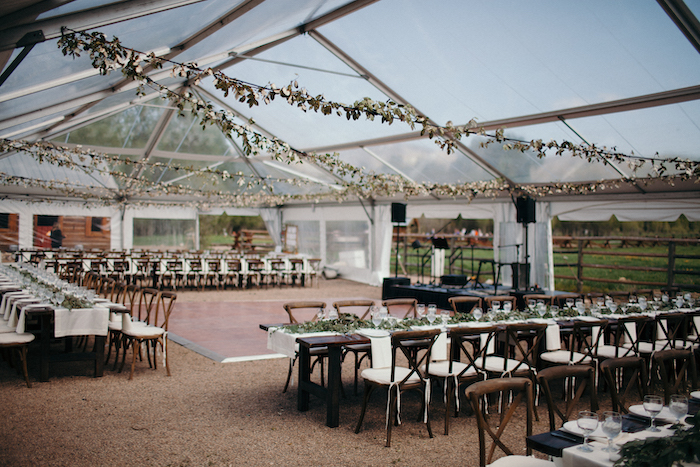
525	207
398	213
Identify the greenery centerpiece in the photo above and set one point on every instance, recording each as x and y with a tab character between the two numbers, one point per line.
667	451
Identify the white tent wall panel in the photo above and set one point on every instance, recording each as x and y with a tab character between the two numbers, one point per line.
372	273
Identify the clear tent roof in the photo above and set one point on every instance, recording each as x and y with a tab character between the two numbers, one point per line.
617	74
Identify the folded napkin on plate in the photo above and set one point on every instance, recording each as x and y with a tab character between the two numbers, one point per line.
81	322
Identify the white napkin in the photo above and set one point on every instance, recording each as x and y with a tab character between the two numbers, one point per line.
552	336
81	322
381	352
439	351
632	331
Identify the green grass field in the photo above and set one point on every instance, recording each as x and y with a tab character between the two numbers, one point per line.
565	265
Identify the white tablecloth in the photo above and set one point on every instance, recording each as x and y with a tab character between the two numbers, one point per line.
286	343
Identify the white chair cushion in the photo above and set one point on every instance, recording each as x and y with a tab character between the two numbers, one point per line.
521	461
608	351
383	375
496	364
442	369
4	328
649	347
15	338
144	332
115	326
564	356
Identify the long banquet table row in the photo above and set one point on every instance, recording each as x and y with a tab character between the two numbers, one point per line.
59	309
194	269
627	328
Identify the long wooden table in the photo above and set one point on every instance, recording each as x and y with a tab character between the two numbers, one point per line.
45	315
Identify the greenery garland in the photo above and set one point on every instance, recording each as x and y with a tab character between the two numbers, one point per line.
109	55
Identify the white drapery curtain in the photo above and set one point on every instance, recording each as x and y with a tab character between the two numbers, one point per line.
273	222
382	250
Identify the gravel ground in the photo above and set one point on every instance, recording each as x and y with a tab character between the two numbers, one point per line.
210	413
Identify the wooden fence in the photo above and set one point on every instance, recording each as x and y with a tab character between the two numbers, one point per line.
581	264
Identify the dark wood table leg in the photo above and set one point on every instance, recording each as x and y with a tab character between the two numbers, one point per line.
45	346
99	356
334	382
304	378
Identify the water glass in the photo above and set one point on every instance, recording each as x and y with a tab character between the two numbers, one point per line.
569	302
495	306
531	305
587	423
477	313
612	426
678	405
420	310
507	307
376	316
653	406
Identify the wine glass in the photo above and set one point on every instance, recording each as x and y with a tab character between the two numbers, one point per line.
477	313
431	313
531	305
653	405
332	313
541	309
569	302
507	307
580	308
678	405
642	303
554	310
612	426
376	316
445	316
587	422
420	310
495	306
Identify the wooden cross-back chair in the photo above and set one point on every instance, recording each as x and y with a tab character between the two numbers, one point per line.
574	380
492	426
464	304
359	351
624	377
398	379
130	299
467	352
316	353
625	338
401	307
582	344
675	371
153	335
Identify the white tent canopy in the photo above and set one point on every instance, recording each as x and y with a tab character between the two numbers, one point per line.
620	75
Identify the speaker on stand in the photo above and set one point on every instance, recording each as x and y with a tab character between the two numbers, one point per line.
398	216
525	214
